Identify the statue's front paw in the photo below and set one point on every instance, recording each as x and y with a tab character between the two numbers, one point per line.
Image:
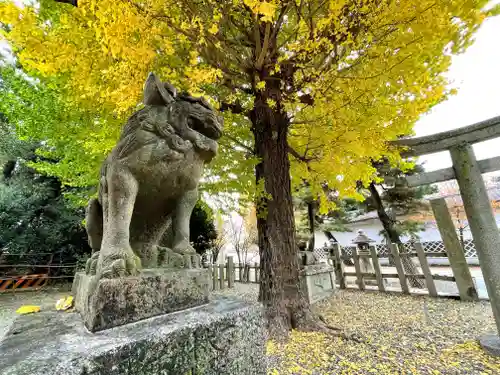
177	260
183	248
91	265
119	263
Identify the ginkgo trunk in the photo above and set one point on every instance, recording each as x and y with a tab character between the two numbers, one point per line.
286	305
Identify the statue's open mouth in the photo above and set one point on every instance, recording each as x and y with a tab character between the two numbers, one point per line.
210	128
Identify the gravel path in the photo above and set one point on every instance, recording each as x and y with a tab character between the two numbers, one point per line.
400	334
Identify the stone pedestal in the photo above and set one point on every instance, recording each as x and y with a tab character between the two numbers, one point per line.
491	343
126	300
224	337
318	281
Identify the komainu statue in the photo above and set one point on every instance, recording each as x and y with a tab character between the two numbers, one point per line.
149	184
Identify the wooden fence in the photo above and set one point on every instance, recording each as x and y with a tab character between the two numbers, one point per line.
458	264
225	275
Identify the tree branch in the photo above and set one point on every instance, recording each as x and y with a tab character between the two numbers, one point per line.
297	156
265	46
306	99
236	108
71	2
279	22
242	145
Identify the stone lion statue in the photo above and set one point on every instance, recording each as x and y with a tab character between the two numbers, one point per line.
149	184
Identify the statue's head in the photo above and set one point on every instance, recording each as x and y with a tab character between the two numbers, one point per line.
201	117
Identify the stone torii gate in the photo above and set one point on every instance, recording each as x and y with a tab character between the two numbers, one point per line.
467	171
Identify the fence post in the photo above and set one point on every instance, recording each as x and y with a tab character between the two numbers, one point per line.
399	268
429	281
213	275
257	270
230	272
357	266
339	266
221	276
454	250
376	267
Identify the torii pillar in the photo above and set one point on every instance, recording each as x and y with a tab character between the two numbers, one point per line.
467	171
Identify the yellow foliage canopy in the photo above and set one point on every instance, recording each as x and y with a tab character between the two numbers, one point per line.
352	74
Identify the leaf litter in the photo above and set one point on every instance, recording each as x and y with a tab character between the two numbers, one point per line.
402	335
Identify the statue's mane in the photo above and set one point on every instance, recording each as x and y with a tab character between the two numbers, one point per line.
179	139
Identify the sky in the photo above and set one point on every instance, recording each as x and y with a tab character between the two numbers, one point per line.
476	75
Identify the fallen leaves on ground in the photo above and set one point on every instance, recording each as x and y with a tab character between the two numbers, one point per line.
402	335
28	309
64	303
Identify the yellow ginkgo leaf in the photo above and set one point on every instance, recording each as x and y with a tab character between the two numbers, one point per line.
64	303
213	29
28	309
267	10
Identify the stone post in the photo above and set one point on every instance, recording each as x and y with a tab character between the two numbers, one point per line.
362	242
364	260
483	226
454	250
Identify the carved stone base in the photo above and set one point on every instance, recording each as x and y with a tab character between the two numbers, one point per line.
318	281
225	337
491	344
126	300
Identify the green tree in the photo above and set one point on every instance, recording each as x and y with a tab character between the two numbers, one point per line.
35	218
202	228
398	199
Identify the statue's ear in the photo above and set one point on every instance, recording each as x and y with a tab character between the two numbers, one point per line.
155	92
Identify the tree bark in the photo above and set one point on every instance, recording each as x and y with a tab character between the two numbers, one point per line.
280	292
393	236
215	255
239	257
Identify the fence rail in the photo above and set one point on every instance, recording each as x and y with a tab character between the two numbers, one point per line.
431	248
402	254
33	271
368	273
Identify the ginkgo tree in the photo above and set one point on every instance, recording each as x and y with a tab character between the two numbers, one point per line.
320	86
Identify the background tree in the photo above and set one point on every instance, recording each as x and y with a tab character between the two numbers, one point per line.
243	235
450	191
308	218
398	199
222	239
35	218
336	219
202	233
327	82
